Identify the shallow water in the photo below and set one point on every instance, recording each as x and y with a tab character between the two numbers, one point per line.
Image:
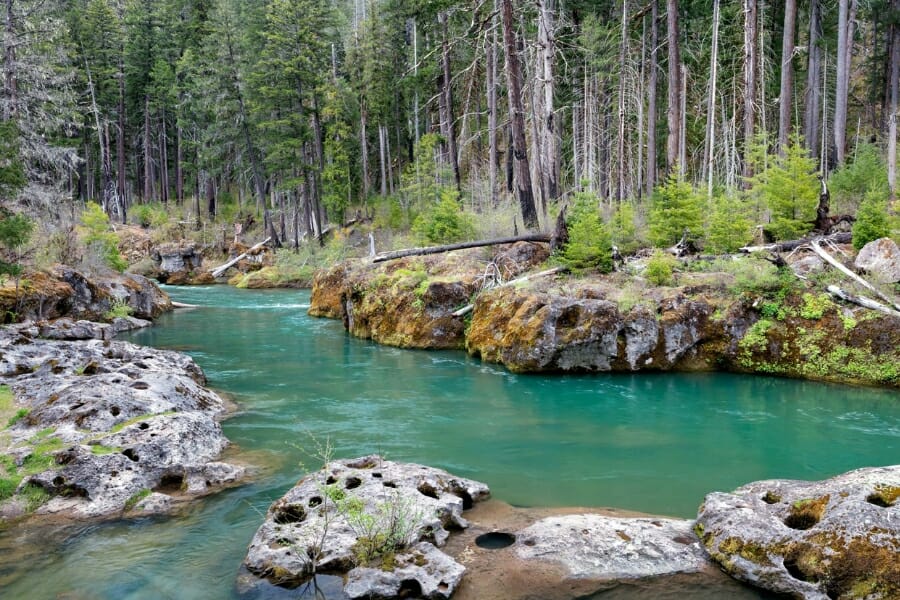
654	443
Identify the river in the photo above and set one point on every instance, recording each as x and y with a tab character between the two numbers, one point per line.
650	442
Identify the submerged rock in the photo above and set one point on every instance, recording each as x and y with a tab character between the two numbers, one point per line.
103	424
837	538
379	520
598	547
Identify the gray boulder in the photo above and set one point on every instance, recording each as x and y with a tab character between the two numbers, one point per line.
422	571
108	422
362	513
881	259
590	546
838	538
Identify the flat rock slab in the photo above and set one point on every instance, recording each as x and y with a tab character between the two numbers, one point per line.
590	546
837	538
379	520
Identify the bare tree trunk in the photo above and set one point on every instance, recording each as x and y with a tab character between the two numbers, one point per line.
381	161
813	79
446	92
620	137
148	163
842	82
750	64
491	76
711	105
785	98
10	71
364	151
517	118
895	99
673	112
652	111
547	78
163	160
179	169
120	132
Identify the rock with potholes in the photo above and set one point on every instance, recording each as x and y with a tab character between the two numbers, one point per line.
356	514
69	329
599	547
105	423
881	259
838	538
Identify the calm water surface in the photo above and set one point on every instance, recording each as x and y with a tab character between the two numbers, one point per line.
654	443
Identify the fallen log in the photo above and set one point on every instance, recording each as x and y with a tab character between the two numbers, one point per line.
862	301
468	307
838	238
837	265
219	270
183	305
532	237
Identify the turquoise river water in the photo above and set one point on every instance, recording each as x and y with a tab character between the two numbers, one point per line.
649	442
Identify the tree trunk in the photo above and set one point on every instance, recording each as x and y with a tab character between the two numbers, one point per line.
381	161
673	112
550	139
895	99
179	168
620	137
491	76
9	65
120	132
785	98
446	92
255	165
750	64
148	163
813	79
846	9
652	111
517	118
364	151
711	104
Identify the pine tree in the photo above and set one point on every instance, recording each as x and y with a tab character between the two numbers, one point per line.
791	191
676	210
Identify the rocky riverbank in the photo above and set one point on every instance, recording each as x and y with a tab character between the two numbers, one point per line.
394	530
744	322
94	428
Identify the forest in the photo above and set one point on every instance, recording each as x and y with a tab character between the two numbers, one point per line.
716	120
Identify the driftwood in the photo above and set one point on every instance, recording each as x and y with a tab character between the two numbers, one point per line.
183	305
533	237
219	270
862	301
837	238
837	265
468	307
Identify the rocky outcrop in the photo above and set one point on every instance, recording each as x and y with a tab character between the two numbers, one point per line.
838	538
65	291
598	547
180	263
409	302
70	329
379	521
881	259
105	427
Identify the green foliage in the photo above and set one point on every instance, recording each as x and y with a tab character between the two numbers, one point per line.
756	337
20	414
15	231
425	180
589	246
815	306
444	223
135	498
660	268
12	171
675	209
8	486
791	191
150	215
729	226
623	230
96	235
35	496
119	309
392	526
871	219
855	181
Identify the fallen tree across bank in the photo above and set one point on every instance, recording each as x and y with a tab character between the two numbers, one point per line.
219	270
468	307
532	237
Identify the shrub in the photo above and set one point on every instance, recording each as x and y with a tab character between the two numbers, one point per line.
445	222
149	215
660	268
119	309
871	220
728	227
589	246
99	240
622	229
851	184
675	210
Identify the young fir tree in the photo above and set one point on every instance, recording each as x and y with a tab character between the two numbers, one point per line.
871	219
853	182
791	190
675	210
728	226
590	245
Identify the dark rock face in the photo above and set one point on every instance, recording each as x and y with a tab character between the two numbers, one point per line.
108	423
379	521
838	538
67	292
